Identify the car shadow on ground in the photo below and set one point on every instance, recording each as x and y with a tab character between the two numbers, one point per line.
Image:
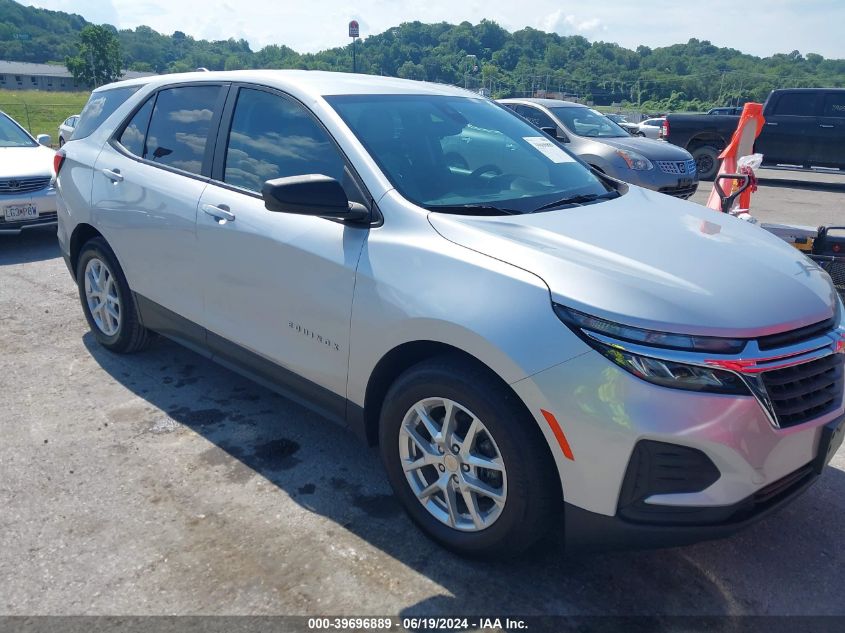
323	467
32	245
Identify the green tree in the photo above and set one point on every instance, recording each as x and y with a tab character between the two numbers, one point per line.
97	60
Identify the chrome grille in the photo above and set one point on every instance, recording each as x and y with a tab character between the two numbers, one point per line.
804	392
678	167
13	186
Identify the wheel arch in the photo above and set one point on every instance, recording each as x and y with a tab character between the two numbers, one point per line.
716	140
403	357
82	233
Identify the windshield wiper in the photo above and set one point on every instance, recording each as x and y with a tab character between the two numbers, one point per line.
472	209
578	200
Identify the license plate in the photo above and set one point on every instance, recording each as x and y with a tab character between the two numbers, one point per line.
21	212
831	439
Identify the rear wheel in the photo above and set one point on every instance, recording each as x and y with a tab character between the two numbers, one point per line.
466	461
107	301
61	141
706	161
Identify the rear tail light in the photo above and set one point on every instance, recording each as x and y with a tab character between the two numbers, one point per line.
664	131
58	161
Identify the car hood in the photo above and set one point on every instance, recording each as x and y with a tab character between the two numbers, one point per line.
648	147
649	260
26	161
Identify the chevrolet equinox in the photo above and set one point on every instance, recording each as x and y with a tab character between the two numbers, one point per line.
533	345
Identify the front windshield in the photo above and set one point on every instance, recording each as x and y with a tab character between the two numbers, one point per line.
453	153
13	136
587	122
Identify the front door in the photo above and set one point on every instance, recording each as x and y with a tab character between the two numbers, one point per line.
278	286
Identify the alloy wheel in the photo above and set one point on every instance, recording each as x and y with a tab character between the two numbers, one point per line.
452	464
102	296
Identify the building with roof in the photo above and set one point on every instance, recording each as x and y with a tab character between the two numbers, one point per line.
50	77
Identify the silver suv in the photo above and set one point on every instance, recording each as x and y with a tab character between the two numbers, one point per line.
532	345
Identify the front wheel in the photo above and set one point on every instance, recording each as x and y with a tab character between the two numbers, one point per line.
466	461
107	301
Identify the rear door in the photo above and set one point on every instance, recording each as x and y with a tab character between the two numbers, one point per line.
147	185
829	150
791	129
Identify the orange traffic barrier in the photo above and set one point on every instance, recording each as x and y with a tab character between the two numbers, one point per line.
742	144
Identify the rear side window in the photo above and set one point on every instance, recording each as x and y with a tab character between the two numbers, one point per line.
797	104
100	107
179	128
134	135
834	104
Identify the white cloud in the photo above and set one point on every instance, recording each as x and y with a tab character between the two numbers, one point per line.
568	24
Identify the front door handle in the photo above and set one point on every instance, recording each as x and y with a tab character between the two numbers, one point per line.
827	125
219	212
771	122
113	174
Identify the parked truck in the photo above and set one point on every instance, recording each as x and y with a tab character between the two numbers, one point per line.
805	129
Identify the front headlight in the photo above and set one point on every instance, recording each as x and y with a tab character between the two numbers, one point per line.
634	160
659	371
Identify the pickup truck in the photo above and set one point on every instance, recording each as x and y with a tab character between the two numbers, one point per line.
805	128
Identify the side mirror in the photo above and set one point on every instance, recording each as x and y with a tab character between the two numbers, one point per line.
44	139
312	194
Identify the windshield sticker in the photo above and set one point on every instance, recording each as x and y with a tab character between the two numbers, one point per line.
548	149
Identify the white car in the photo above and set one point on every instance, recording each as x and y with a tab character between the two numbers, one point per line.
66	128
650	128
27	197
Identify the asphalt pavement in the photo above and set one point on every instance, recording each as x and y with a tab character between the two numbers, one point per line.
161	483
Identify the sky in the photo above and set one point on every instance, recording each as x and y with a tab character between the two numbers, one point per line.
752	26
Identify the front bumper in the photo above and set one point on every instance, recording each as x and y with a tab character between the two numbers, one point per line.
44	200
678	185
605	412
590	530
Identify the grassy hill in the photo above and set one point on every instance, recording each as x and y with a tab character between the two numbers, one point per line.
690	76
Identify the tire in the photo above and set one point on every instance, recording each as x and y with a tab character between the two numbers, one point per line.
123	333
528	482
706	161
61	141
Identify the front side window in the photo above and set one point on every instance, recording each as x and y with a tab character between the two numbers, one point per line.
796	104
587	122
100	106
13	135
274	137
463	155
537	117
179	128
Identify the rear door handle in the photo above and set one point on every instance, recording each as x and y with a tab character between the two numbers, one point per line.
771	122
827	125
113	174
221	213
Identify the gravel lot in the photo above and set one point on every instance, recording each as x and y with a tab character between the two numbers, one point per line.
164	484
